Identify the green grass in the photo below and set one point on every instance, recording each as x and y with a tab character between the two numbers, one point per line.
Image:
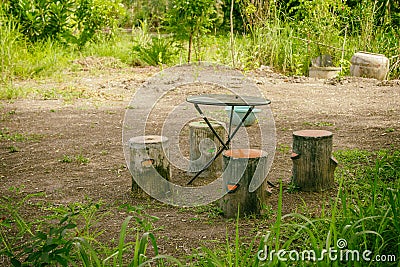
282	38
66	159
319	124
274	43
72	240
362	217
6	135
13	149
80	159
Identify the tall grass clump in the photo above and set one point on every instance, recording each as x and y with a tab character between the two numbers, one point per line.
363	217
287	39
286	35
11	44
39	38
359	227
69	236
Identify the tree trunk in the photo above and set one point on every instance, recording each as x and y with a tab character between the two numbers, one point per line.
313	166
149	165
203	146
190	46
241	167
232	37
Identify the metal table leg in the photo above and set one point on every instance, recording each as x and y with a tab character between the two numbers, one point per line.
209	125
225	145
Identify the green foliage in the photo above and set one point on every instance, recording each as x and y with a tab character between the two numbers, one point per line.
13	149
48	248
41	19
190	19
364	213
158	51
19	58
96	15
80	159
71	242
10	42
363	216
66	159
282	34
143	10
235	254
18	137
76	21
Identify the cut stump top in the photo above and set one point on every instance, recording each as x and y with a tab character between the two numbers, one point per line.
245	153
148	139
313	133
203	124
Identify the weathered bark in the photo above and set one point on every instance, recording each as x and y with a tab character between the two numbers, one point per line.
313	166
241	167
231	34
190	46
149	163
203	146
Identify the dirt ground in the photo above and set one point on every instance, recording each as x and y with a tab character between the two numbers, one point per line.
361	113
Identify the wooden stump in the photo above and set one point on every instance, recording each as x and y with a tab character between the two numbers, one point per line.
313	166
149	163
203	146
241	166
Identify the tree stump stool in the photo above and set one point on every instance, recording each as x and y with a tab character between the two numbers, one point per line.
313	166
149	164
241	167
203	146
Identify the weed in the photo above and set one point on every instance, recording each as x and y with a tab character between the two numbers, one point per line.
82	159
319	124
48	248
66	159
362	217
67	244
292	188
159	51
235	254
212	211
18	137
13	149
283	148
144	221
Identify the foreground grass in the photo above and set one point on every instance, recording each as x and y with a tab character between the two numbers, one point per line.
357	228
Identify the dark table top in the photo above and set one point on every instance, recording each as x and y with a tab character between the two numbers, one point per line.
227	100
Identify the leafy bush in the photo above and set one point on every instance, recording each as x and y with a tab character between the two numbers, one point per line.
189	20
47	248
143	10
94	16
71	242
75	21
160	50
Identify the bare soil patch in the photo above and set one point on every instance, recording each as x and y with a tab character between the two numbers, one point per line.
363	114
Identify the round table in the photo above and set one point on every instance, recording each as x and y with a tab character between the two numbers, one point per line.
224	100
